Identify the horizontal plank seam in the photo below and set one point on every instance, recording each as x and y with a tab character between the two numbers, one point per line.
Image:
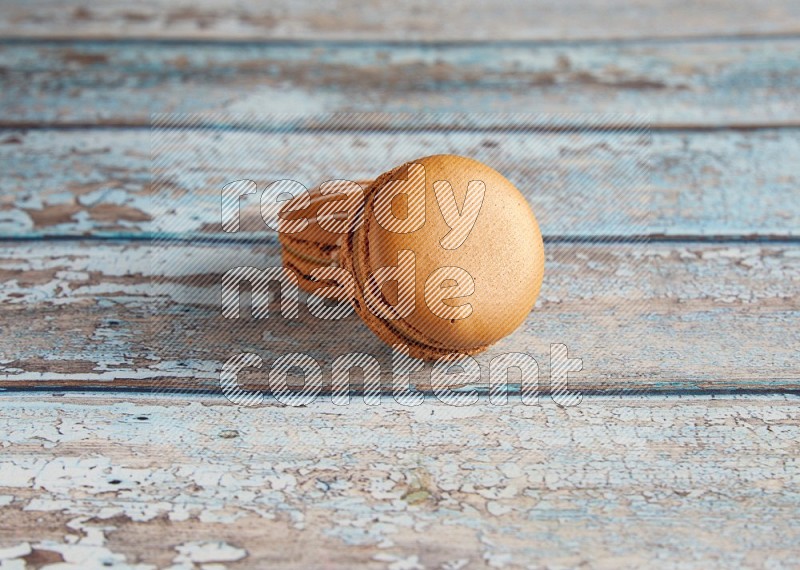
289	42
13	126
482	392
111	239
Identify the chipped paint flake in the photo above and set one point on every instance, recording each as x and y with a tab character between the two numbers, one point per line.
202	552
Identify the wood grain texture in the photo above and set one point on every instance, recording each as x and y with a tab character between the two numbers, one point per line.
706	83
463	20
98	182
141	483
657	317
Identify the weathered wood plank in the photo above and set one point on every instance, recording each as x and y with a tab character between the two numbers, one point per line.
612	483
660	317
464	20
97	182
698	83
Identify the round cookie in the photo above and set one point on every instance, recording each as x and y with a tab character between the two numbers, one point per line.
475	279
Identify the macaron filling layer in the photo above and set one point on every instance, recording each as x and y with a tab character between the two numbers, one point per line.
320	254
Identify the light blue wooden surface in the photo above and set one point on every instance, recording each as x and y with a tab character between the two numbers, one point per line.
690	482
675	473
695	83
724	152
678	317
723	184
430	22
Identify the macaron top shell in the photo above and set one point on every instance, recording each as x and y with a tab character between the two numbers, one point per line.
502	253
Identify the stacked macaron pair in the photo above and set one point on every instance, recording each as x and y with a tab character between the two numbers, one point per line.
316	245
460	242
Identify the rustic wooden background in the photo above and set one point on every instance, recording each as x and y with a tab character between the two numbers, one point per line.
695	465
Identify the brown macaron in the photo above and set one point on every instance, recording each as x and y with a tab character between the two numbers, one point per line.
315	245
448	257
